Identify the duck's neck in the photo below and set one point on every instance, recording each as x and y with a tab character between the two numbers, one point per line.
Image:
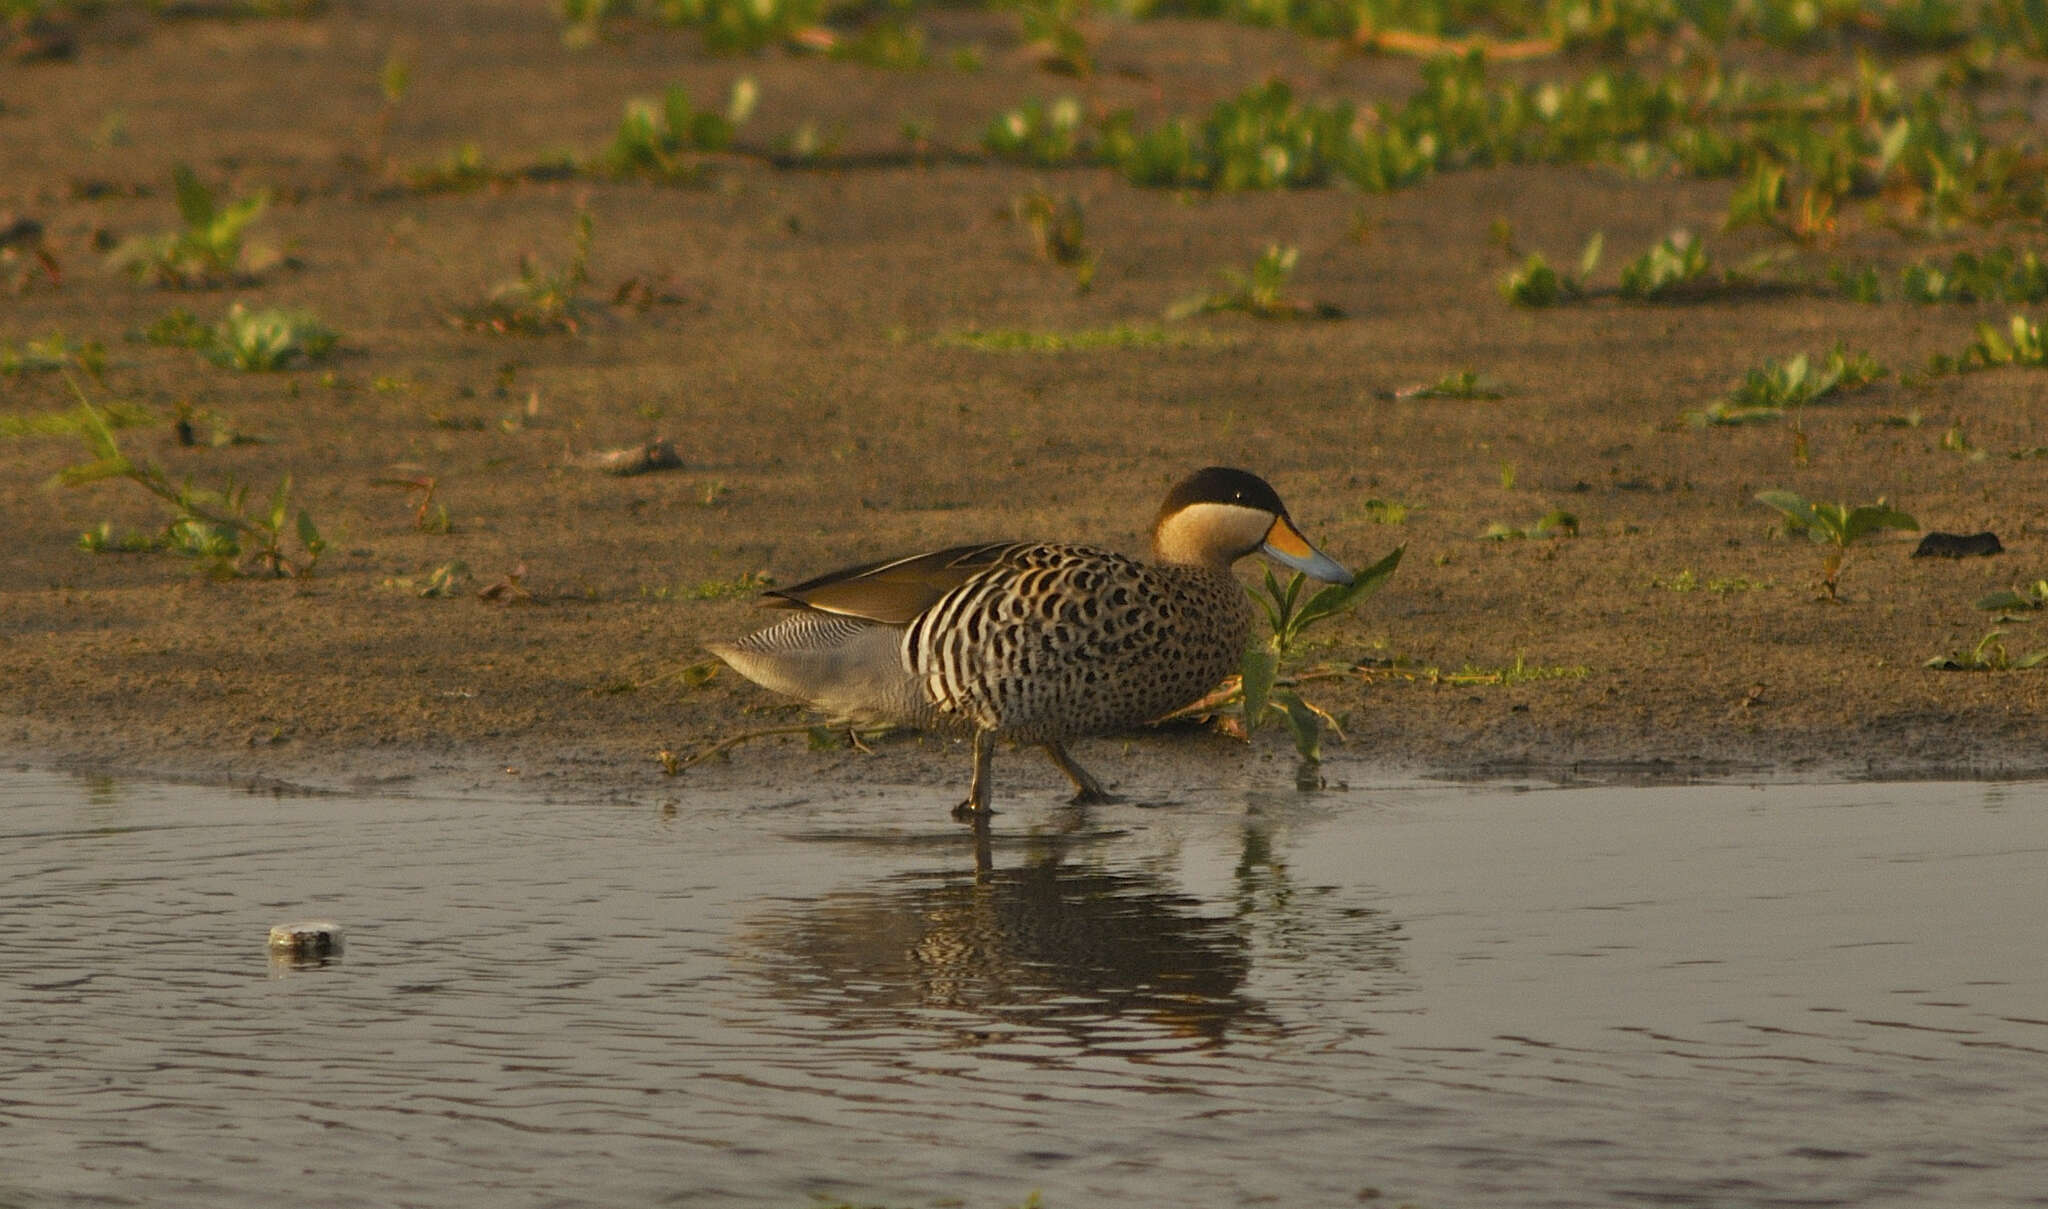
1211	536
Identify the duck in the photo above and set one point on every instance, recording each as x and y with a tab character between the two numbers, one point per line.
1030	642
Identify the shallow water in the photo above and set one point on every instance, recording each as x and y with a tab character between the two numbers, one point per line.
1723	996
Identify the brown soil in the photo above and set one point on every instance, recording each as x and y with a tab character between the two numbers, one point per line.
820	422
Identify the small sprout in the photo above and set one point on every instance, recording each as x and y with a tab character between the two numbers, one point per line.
1257	293
810	142
1835	525
268	340
508	589
1769	391
1058	231
1465	384
749	25
215	528
1555	523
53	353
1051	28
462	170
725	589
1048	135
1536	284
75	422
2016	603
208	251
892	45
1085	340
448	580
657	140
1385	512
2020	344
428	515
541	300
1989	655
1673	265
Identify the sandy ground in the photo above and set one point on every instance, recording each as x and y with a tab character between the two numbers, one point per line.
795	359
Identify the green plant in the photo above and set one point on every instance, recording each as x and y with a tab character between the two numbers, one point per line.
1264	690
214	527
748	583
428	516
208	251
1037	132
1385	512
1260	139
2020	344
1687	581
462	170
1762	200
742	25
1052	28
1464	384
1257	293
75	422
1834	525
2000	275
1085	340
890	44
654	140
1058	231
253	341
1989	655
1770	390
1676	263
583	20
54	352
268	340
542	299
394	80
1535	284
2016	602
1555	523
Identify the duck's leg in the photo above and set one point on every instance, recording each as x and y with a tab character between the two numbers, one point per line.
1089	791
976	805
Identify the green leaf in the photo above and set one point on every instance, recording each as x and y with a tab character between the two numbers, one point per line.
1794	506
2000	601
1342	598
309	537
1589	257
93	472
195	201
1261	666
1303	723
280	504
1270	602
1871	517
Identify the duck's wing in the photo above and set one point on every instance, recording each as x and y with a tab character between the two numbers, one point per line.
896	590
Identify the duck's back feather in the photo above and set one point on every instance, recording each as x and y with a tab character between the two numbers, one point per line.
895	590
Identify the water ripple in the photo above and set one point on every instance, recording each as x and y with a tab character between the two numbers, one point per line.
1712	996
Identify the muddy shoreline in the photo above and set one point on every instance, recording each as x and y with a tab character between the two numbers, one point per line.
794	331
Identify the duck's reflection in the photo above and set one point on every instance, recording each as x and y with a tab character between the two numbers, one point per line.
1048	948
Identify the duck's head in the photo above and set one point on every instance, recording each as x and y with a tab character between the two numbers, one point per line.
1217	515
